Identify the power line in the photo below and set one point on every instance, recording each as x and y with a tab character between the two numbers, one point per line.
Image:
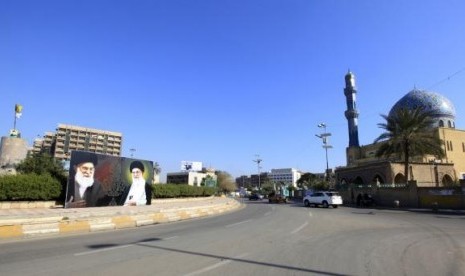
447	78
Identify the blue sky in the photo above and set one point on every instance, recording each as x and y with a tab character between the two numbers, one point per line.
221	81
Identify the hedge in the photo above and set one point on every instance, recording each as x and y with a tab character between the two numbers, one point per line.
29	187
181	190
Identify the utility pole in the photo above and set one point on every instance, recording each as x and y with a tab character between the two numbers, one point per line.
258	160
324	137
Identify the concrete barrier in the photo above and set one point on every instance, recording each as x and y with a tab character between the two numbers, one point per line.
110	218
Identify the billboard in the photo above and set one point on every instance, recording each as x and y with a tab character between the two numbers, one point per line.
191	166
103	180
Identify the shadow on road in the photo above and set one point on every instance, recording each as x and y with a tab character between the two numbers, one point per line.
218	257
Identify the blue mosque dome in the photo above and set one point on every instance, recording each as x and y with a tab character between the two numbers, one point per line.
442	108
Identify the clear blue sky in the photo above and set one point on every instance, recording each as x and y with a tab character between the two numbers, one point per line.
219	81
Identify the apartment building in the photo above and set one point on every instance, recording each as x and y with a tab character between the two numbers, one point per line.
287	176
69	137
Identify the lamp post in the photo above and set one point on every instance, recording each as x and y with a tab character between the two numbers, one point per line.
324	137
258	160
132	152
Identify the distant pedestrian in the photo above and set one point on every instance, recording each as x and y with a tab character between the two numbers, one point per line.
359	200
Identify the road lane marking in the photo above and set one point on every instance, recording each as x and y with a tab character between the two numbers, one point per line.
267	214
211	267
310	214
170	238
102	250
238	223
299	228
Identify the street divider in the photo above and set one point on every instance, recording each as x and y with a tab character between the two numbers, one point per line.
83	220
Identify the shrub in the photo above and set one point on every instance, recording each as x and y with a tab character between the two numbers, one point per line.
29	187
181	190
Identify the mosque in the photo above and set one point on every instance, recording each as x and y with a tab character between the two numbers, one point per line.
364	168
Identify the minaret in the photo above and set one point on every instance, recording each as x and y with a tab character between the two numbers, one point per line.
351	112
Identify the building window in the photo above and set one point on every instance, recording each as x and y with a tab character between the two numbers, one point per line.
449	146
441	123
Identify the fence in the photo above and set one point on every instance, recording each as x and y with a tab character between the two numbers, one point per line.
408	195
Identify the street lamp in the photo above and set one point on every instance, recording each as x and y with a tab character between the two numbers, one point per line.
132	152
324	137
258	160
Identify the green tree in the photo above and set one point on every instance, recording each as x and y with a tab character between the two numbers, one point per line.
267	187
408	134
225	182
320	185
42	163
207	179
306	180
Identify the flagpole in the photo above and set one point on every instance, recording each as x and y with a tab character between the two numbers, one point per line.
14	125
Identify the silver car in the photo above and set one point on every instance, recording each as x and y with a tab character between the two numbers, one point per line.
323	198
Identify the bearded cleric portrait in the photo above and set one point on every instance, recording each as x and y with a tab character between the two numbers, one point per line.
140	191
83	189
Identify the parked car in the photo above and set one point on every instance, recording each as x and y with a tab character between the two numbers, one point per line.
275	198
255	197
323	198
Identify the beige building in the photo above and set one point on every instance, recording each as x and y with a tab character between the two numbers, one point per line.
363	167
192	178
69	137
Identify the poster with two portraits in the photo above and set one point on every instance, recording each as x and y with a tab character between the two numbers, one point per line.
97	180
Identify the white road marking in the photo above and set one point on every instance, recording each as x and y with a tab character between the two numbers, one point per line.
310	214
299	228
221	263
102	250
170	238
267	214
238	223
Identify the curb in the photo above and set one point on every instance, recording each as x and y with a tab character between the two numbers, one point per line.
108	220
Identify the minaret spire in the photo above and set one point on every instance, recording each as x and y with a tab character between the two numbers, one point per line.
351	113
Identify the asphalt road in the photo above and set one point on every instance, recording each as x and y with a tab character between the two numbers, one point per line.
260	239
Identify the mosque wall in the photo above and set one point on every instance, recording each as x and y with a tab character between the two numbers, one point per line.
454	145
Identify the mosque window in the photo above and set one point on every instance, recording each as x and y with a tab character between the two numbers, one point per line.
449	124
441	123
449	146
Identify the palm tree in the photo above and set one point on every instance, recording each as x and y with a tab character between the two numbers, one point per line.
409	133
156	168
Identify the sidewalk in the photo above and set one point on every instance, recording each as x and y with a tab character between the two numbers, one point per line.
27	223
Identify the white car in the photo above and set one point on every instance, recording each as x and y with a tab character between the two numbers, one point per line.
324	198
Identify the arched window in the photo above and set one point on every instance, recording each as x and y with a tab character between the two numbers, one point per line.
359	180
447	180
441	123
377	179
449	124
399	179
